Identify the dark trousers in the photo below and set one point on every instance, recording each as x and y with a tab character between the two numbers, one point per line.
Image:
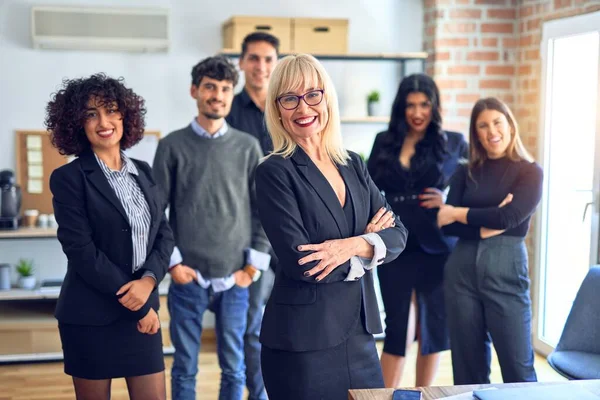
486	285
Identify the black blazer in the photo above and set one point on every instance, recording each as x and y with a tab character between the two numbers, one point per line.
391	179
297	205
95	235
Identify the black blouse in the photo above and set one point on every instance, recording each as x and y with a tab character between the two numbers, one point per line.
402	186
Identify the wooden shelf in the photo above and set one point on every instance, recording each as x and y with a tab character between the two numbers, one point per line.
409	56
28	233
37	294
28	331
26	294
20	316
56	356
365	120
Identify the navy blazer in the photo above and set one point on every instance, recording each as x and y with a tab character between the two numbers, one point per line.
95	235
297	205
391	179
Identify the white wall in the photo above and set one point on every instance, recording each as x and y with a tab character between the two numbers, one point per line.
29	76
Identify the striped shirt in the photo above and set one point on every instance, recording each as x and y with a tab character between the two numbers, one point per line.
134	202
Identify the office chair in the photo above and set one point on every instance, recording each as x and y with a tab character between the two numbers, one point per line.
577	355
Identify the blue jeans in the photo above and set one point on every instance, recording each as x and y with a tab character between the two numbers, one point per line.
259	294
187	304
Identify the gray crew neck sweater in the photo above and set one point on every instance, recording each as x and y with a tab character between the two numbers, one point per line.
208	185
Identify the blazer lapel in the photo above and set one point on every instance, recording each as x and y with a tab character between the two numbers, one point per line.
97	178
353	185
324	190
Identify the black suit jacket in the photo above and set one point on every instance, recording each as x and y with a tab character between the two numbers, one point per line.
297	205
95	235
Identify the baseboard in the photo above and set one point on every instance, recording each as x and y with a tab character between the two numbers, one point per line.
209	335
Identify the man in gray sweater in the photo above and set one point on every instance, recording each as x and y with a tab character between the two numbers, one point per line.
205	172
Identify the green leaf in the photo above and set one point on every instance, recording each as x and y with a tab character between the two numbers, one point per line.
373	96
25	267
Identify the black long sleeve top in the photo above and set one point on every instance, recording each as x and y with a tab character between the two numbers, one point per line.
484	190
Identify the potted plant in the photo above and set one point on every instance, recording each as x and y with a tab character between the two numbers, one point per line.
373	103
26	277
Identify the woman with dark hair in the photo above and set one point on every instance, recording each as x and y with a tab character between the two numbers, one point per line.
489	207
116	239
412	162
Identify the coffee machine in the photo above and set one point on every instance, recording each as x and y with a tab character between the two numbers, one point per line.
10	200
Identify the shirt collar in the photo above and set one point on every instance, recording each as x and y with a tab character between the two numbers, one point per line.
247	100
203	133
127	165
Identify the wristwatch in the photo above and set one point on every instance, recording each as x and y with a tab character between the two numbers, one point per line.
253	272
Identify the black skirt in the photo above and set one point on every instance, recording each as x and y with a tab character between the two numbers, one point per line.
112	351
323	374
423	273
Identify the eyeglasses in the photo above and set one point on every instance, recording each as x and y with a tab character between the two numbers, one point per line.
292	101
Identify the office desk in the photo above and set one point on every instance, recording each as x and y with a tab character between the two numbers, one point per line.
439	392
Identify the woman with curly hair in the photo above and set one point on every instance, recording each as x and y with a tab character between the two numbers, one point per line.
116	239
412	162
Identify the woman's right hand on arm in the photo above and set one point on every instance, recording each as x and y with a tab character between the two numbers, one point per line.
432	198
150	324
182	274
487	232
507	200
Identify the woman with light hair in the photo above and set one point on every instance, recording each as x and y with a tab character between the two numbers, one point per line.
329	226
486	280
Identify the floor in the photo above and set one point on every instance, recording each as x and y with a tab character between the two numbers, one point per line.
47	380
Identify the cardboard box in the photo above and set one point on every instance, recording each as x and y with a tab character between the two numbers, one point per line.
236	28
320	36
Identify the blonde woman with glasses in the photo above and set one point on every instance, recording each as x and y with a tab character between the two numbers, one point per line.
329	226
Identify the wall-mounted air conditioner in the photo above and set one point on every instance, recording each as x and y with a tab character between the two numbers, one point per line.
116	29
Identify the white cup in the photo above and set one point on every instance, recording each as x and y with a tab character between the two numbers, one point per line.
43	221
52	221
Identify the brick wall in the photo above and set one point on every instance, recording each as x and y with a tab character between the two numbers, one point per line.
482	48
473	53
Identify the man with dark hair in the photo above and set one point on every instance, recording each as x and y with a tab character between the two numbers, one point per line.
217	67
205	173
259	56
258	59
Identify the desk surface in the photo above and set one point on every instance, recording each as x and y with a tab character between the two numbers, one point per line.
439	392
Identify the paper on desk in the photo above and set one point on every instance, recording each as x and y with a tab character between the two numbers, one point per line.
464	396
